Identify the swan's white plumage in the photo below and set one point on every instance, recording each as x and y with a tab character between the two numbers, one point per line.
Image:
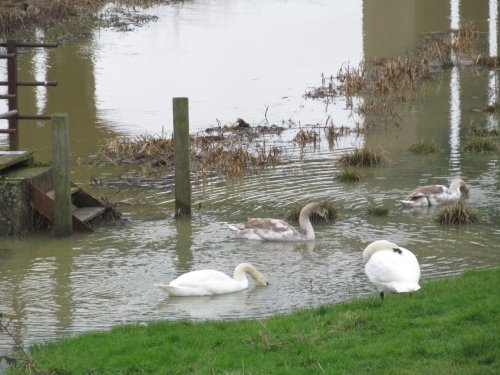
210	282
391	268
278	230
433	195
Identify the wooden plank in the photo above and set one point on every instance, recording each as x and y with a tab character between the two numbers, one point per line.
74	189
85	214
10	158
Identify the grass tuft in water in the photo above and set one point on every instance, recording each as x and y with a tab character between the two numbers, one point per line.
349	174
424	147
481	144
448	326
293	213
378	211
456	214
364	157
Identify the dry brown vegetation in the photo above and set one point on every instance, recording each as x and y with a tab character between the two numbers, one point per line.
380	85
21	15
224	151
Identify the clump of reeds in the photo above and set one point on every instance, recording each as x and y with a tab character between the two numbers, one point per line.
293	213
380	210
363	157
456	214
424	147
349	174
304	137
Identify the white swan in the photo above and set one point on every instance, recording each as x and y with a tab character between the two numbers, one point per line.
391	268
431	195
209	282
278	230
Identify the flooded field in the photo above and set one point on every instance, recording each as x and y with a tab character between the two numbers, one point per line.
250	60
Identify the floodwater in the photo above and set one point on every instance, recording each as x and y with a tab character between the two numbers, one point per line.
235	59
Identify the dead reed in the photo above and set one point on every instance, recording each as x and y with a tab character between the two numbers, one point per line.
364	157
73	16
223	153
293	213
456	214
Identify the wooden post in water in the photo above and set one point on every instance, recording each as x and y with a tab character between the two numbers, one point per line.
181	157
62	189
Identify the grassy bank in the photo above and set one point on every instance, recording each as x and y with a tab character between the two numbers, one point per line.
449	327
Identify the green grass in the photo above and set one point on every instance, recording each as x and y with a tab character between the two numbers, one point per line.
424	147
450	326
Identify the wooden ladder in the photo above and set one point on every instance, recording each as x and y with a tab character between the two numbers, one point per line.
86	208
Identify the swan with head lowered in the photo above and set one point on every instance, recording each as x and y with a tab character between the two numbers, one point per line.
210	282
432	195
391	268
278	230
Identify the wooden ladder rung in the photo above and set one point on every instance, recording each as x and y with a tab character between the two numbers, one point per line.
86	214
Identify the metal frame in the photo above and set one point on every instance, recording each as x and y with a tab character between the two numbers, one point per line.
12	84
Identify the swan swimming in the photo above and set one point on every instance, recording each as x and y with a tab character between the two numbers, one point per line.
279	230
432	195
210	282
391	268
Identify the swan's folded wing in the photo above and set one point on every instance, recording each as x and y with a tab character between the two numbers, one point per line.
272	229
396	272
424	191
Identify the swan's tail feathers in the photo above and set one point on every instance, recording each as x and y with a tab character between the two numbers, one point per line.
407	202
405	288
165	287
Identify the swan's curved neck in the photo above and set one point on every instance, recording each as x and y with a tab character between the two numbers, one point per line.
306	226
239	273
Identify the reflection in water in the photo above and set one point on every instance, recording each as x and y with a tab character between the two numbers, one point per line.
455	118
493	80
455	108
40	56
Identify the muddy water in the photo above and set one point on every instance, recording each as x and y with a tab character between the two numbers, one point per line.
234	59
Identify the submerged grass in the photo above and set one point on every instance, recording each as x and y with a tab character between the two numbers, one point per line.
450	326
424	147
456	214
349	174
378	211
481	144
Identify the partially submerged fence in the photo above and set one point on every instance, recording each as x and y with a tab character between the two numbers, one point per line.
12	84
